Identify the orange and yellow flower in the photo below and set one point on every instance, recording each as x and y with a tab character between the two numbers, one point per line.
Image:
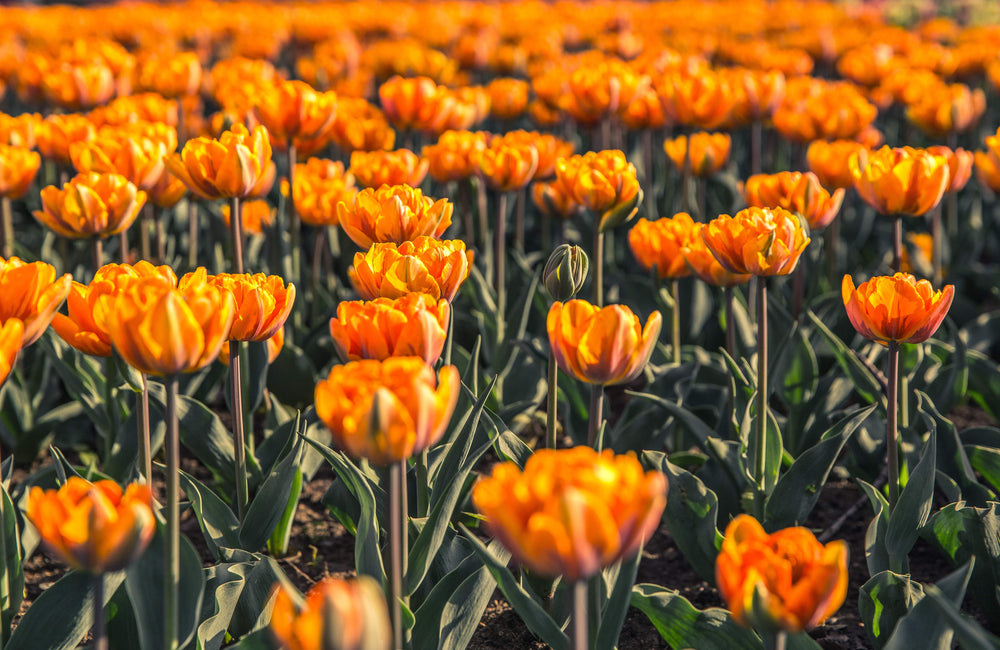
603	182
137	158
293	109
796	192
424	265
605	346
988	163
413	325
830	161
320	186
900	181
58	132
91	205
703	262
347	614
393	213
508	165
960	164
256	215
262	302
659	243
947	109
387	411
173	75
896	308
455	156
30	293
758	241
378	168
11	335
93	527
232	166
571	512
783	581
88	304
709	152
508	97
18	167
361	126
160	330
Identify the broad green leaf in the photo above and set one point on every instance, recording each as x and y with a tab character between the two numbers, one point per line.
617	603
884	600
876	554
864	381
12	570
269	504
682	626
922	627
914	505
215	518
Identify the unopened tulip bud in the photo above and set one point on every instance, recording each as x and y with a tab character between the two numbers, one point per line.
566	271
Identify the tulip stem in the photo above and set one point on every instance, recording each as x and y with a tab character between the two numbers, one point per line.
551	438
775	640
236	233
756	140
675	317
173	517
192	234
598	265
519	208
123	252
798	289
727	292
830	240
760	444
646	141
952	216
100	637
145	220
499	262
897	243
596	415
110	381
161	236
578	627
145	447
892	446
484	223
701	194
317	260
239	439
685	175
423	491
451	335
937	246
97	251
295	227
397	475
6	228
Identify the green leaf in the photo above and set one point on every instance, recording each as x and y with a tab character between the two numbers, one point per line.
971	635
691	422
12	570
864	381
259	640
914	505
145	581
691	515
951	455
884	600
876	554
922	627
799	488
269	504
682	626
797	367
277	544
63	614
218	524
534	616
292	377
617	603
223	586
986	461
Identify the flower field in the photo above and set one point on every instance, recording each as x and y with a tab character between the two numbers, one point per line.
443	325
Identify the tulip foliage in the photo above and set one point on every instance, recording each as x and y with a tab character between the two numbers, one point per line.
518	304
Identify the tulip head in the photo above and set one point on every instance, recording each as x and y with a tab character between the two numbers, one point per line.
393	213
455	155
18	167
262	302
896	308
91	205
320	186
412	325
959	166
601	346
783	581
93	527
377	168
232	166
605	183
658	244
291	109
31	293
508	166
565	271
830	161
900	181
387	411
706	153
424	265
338	614
11	334
705	265
796	192
571	512
758	241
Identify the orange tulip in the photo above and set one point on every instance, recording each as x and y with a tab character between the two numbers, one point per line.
703	262
342	614
896	308
387	411
413	325
922	244
601	346
823	111
659	243
393	213
138	159
604	182
57	133
31	293
274	347
455	156
900	181
508	166
417	103
293	109
20	130
508	97
144	109
600	89
18	167
959	166
786	580
78	85
262	302
758	241
232	166
91	205
11	335
171	75
796	192
699	99
549	148
644	111
361	126
571	512
93	527
167	191
424	265
378	168
160	330
709	152
555	199
88	305
830	161
257	215
763	91
947	109
320	186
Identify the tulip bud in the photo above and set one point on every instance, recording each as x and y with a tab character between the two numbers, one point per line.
566	271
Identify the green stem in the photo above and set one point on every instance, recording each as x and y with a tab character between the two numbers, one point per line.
97	252
685	176
500	259
236	233
295	227
6	228
482	210
596	416
598	265
145	220
423	490
161	236
110	382
239	439
897	243
192	234
892	446
100	637
830	240
578	625
761	440
701	193
756	139
173	517
675	317
123	251
519	208
774	640
450	337
730	324
937	252
317	261
145	447
396	532
798	289
551	436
